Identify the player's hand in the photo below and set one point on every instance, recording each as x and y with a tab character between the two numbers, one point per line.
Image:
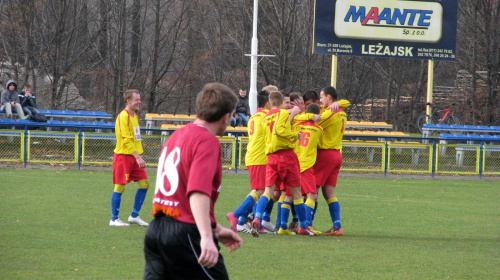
209	253
141	162
229	238
295	110
334	107
316	118
299	103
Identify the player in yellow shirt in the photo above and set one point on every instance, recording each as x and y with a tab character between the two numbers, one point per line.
128	165
329	158
282	163
256	162
306	151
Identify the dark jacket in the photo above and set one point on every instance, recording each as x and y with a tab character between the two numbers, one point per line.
27	100
9	96
242	106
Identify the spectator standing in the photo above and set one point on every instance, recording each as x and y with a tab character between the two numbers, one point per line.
242	113
128	165
182	240
10	99
28	101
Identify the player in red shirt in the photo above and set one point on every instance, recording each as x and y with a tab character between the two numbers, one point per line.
182	240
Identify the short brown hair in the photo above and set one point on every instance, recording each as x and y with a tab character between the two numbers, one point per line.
313	108
129	94
214	101
276	98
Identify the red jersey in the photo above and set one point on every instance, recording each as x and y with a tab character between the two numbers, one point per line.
190	161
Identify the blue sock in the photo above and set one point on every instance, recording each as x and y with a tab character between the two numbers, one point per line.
278	214
285	213
261	207
116	200
300	208
294	214
314	212
245	207
334	208
140	195
242	220
267	213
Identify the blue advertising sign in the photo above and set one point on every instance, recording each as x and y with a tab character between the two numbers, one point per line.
386	28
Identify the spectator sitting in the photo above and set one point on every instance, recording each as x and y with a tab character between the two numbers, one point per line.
28	101
234	122
242	109
10	98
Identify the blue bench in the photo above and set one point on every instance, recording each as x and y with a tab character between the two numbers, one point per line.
66	124
51	114
467	129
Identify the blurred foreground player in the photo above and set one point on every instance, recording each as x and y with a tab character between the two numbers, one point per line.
182	240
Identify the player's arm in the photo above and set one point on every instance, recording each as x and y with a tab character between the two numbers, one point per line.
284	129
342	103
327	114
200	207
306	117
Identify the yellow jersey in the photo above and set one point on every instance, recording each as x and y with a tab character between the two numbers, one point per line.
278	131
333	125
256	148
128	134
307	147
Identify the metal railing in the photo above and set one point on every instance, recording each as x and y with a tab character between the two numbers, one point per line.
386	155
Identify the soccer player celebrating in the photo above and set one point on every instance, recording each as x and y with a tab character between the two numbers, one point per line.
282	162
256	162
182	240
128	165
306	151
329	158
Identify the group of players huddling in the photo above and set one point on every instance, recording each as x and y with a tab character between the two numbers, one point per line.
293	150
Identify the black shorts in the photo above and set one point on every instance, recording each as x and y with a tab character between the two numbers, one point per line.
169	253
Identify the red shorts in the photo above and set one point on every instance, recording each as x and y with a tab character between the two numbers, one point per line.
126	169
283	166
327	167
280	187
257	176
308	181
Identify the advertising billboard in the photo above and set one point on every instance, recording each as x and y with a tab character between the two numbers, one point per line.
386	28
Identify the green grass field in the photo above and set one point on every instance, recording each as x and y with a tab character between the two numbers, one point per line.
54	225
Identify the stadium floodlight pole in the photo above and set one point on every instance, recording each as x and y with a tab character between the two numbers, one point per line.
252	95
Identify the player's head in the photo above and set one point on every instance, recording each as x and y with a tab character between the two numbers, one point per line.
270	88
295	96
215	102
276	99
286	101
328	95
132	99
262	98
311	96
313	108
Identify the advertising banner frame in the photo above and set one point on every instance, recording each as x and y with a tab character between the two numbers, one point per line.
410	29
